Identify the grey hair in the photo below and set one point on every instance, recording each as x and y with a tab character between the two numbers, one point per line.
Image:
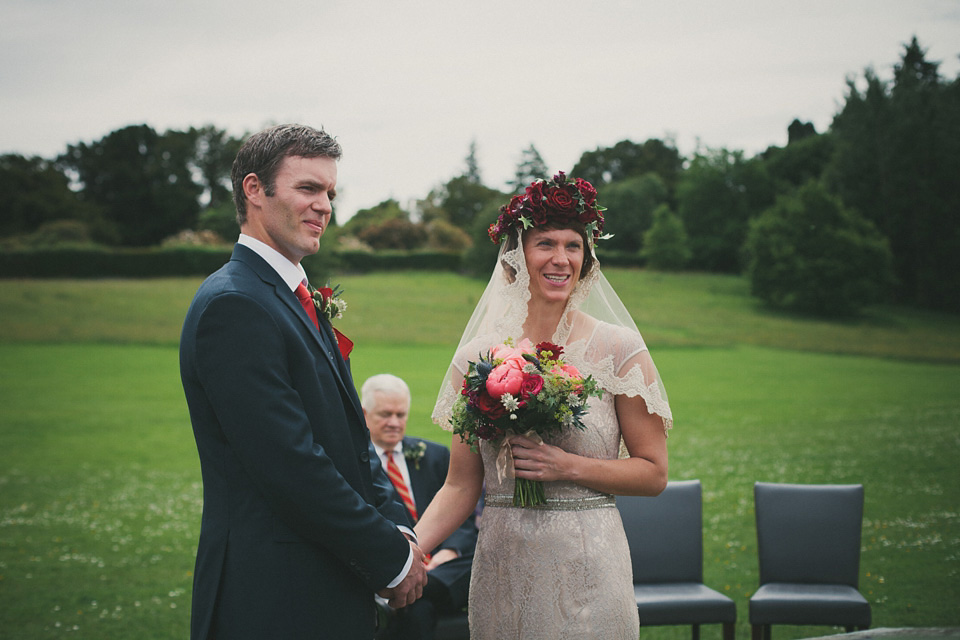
264	152
382	383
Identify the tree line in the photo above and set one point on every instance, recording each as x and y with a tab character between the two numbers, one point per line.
864	212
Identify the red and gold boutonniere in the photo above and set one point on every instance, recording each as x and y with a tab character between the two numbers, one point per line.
331	306
328	302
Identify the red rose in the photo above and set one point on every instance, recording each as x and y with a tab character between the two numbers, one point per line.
556	350
534	194
531	386
539	215
489	406
560	199
587	191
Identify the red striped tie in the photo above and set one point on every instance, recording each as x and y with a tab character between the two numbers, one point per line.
393	472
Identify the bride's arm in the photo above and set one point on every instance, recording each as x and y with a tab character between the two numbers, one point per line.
644	473
456	499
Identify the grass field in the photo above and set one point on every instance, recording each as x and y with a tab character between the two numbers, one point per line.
99	478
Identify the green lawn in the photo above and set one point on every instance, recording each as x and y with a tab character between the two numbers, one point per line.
99	478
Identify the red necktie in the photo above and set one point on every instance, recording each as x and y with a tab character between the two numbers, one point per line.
393	472
307	302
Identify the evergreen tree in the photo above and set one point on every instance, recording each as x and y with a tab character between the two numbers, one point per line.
530	167
472	173
896	161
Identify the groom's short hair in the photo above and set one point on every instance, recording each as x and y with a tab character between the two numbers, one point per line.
263	153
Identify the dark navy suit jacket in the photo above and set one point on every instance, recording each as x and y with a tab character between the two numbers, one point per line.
295	536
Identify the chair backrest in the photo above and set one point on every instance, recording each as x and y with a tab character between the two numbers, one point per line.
809	533
665	533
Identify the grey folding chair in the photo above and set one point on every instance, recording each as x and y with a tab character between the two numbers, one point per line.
808	540
665	535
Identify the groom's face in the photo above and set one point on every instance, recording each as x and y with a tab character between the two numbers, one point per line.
291	214
388	419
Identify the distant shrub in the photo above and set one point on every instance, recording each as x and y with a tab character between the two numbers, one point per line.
365	261
665	246
222	220
479	259
101	262
445	236
191	238
396	233
808	253
57	233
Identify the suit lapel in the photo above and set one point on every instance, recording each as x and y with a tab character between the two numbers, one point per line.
417	477
324	337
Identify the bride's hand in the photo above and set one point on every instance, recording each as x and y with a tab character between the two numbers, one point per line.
543	462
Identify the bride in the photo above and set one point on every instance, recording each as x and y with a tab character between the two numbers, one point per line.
560	569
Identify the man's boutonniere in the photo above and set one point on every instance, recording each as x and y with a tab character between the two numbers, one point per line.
328	302
415	453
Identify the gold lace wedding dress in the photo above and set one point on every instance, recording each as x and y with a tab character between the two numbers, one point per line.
563	571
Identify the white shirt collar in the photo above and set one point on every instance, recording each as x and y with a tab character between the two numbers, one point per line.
291	274
380	450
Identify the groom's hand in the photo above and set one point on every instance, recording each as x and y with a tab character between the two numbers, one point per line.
411	587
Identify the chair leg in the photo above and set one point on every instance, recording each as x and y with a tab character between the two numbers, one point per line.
729	631
695	631
760	632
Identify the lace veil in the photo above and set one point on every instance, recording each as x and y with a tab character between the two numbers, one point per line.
596	331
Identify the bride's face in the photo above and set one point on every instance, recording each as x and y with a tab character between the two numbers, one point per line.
554	259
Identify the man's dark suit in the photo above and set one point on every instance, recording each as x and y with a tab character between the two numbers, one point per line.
448	584
295	536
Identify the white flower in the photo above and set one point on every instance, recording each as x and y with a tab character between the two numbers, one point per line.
509	402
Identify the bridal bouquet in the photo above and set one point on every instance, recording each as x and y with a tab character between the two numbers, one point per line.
521	389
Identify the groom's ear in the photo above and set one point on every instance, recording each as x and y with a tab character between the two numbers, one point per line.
253	189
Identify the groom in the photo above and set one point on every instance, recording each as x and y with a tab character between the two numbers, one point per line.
295	537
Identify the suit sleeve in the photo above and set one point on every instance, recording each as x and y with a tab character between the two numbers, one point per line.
253	378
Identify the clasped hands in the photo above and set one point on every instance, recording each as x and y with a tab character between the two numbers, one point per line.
411	587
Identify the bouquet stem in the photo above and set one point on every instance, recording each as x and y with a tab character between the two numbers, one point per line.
528	493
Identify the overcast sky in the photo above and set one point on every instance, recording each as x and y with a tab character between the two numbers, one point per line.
406	86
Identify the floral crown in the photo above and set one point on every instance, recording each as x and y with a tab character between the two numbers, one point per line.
556	200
